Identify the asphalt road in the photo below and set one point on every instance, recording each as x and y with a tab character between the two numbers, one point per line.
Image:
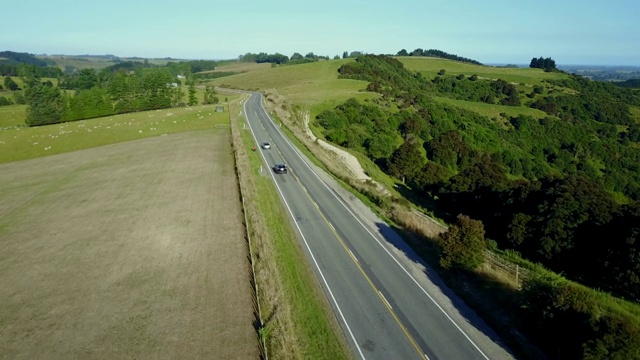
389	303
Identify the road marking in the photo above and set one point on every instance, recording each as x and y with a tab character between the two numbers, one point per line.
324	280
357	263
379	243
385	299
353	256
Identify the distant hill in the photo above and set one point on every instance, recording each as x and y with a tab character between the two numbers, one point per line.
631	83
438	54
16	58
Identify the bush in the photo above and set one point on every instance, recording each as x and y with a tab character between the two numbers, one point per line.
4	101
463	244
442	72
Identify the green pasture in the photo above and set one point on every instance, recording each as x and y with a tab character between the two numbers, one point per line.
21	143
12	115
306	85
429	67
493	111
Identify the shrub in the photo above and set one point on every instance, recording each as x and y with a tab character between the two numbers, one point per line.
463	244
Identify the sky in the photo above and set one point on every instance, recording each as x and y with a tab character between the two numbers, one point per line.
490	31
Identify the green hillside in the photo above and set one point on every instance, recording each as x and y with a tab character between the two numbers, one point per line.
544	162
312	85
430	66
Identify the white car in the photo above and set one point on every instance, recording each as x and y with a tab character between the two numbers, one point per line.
266	146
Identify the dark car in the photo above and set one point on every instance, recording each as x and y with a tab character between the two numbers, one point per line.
280	169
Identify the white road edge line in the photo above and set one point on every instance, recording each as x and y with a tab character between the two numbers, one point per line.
376	239
385	300
302	235
352	255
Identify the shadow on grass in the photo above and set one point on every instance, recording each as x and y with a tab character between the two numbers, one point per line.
424	201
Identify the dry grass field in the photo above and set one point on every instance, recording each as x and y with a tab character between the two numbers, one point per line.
132	250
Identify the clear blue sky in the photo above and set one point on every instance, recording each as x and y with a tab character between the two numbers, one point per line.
490	31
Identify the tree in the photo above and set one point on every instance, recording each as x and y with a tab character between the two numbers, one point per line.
45	105
406	161
345	55
463	244
10	84
403	52
210	96
87	79
296	56
193	100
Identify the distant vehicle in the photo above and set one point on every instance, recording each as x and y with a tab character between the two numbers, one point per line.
280	169
266	146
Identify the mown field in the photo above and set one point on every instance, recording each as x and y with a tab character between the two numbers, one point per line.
132	250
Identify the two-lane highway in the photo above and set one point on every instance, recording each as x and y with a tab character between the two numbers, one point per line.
386	309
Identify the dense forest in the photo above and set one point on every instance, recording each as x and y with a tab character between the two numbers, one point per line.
563	191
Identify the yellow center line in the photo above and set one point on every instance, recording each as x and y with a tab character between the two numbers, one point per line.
357	263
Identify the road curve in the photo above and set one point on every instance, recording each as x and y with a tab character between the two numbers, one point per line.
389	304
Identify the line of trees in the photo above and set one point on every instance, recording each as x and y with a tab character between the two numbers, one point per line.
107	94
438	54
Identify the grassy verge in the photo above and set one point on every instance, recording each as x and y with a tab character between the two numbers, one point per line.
298	321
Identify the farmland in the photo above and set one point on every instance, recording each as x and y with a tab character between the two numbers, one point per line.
130	250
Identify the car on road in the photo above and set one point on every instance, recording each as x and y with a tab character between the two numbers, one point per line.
266	146
280	169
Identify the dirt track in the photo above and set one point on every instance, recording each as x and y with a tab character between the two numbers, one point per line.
133	250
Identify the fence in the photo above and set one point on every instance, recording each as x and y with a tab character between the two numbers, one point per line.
505	269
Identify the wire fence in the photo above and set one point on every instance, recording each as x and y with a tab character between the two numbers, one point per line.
505	269
493	263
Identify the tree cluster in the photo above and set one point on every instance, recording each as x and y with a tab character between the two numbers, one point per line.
97	95
548	64
264	58
438	54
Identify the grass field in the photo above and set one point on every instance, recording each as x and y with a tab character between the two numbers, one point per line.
306	85
429	67
12	115
493	111
27	143
132	250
